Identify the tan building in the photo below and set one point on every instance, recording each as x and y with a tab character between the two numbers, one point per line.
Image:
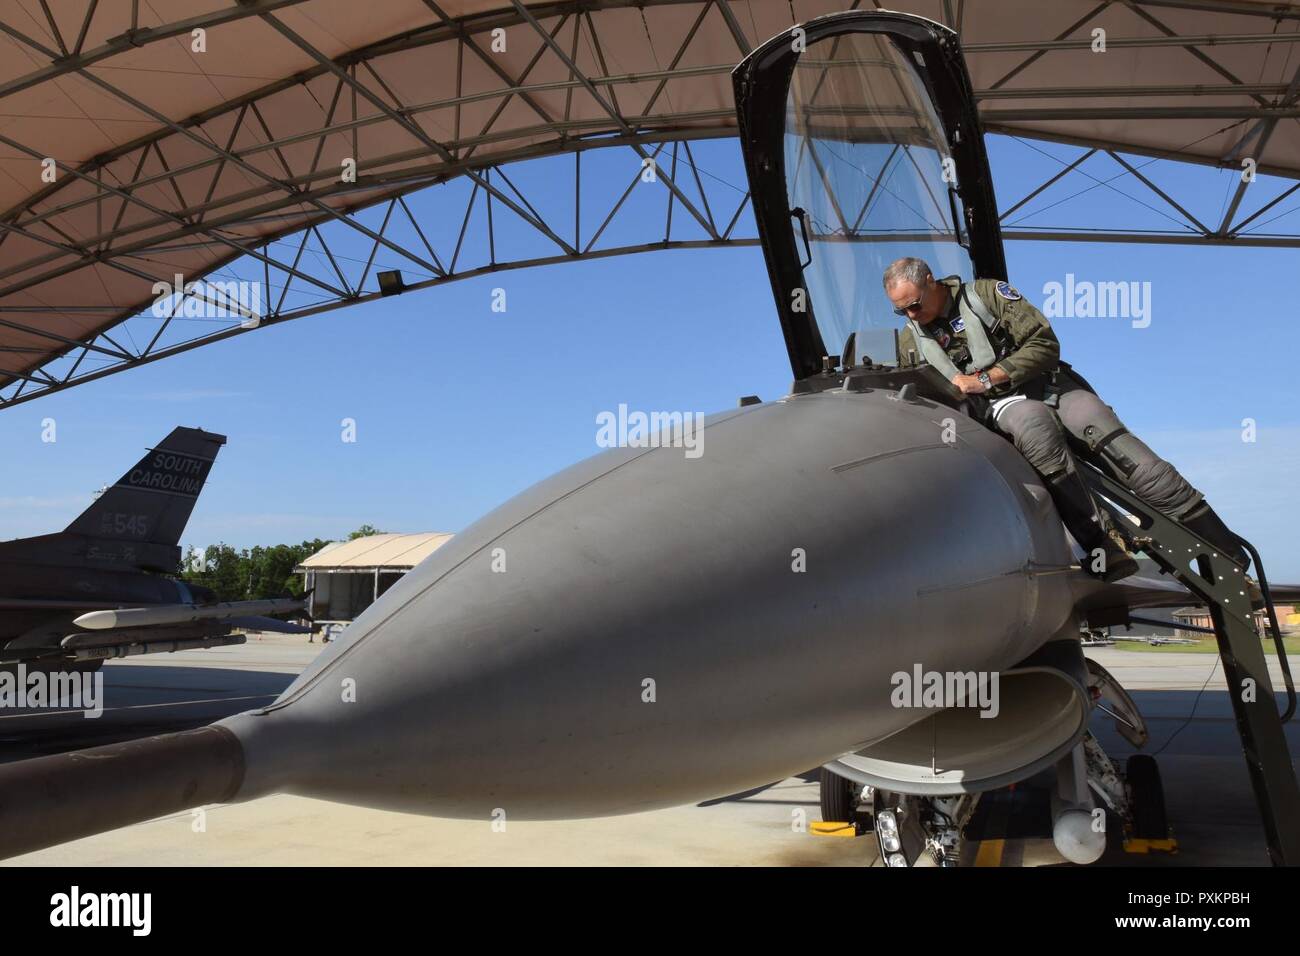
1200	617
346	577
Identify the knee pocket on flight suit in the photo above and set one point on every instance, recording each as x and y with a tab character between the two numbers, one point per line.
1088	418
1094	424
1037	435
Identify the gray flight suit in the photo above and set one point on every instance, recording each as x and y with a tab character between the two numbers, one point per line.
1044	400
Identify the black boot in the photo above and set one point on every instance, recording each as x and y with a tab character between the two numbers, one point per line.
1091	527
1203	521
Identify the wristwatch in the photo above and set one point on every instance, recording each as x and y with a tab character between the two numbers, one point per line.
986	381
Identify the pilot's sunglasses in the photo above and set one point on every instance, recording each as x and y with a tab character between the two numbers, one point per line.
909	308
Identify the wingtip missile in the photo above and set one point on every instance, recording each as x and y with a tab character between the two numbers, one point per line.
184	613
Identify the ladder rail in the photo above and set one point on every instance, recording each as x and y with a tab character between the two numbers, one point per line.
1282	660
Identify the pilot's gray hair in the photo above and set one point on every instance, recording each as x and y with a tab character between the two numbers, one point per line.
908	269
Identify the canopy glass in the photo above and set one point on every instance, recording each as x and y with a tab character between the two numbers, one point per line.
868	180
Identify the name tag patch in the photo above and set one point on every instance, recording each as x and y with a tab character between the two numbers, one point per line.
958	324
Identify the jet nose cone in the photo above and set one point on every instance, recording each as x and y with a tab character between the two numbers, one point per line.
649	629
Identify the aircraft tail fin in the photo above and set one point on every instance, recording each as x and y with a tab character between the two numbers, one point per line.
152	502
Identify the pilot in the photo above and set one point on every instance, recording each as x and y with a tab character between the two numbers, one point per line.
991	343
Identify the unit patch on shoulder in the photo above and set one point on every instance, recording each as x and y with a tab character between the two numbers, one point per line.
1008	293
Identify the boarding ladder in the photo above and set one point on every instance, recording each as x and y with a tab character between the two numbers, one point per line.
1222	587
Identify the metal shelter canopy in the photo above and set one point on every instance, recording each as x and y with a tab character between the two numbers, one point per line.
383	550
134	149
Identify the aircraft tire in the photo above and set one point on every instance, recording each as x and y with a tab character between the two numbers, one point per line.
1148	795
838	797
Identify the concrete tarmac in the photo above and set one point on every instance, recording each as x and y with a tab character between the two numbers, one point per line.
1182	696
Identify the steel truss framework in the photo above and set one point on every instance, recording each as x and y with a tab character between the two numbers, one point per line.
292	223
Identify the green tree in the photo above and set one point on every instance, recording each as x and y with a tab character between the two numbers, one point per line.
365	531
221	569
253	574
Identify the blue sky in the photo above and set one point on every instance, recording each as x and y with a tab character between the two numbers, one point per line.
459	407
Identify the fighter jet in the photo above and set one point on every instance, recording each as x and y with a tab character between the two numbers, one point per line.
856	575
104	586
